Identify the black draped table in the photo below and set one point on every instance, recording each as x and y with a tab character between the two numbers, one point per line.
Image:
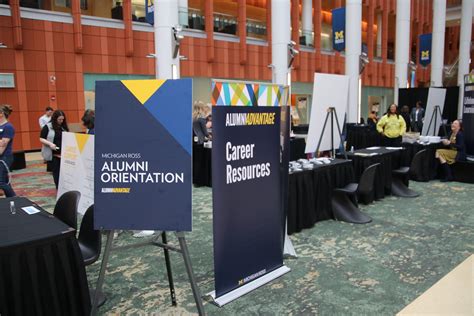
389	159
427	168
297	147
202	171
310	193
361	136
41	265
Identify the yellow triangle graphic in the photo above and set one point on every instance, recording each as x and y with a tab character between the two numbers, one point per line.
143	89
81	140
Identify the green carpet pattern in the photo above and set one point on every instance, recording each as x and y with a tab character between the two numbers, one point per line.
341	269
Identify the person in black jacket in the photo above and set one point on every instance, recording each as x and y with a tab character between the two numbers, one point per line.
455	151
405	113
200	114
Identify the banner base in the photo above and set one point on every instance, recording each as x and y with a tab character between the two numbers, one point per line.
244	289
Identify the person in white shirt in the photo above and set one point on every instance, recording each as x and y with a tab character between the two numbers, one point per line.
46	117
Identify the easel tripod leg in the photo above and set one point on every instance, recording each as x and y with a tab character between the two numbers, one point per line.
189	270
103	268
168	270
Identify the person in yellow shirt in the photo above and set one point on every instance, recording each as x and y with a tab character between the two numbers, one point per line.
392	127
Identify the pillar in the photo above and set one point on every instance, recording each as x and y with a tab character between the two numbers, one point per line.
464	49
307	21
402	47
166	17
437	45
353	50
280	39
127	21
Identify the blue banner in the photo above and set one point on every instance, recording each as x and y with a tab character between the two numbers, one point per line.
425	49
246	184
339	29
149	11
143	149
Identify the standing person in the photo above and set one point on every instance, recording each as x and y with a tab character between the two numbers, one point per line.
200	114
372	121
417	117
51	138
46	117
7	133
405	113
392	127
88	120
456	150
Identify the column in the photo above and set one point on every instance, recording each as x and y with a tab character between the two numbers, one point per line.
242	30
379	35
437	45
280	39
307	21
127	21
16	24
77	24
464	49
183	13
353	50
402	45
166	17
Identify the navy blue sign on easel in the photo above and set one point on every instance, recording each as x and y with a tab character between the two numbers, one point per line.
143	155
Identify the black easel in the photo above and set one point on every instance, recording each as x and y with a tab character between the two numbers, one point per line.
331	111
183	249
434	115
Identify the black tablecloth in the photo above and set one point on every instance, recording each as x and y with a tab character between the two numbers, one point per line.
361	136
310	193
297	147
41	266
202	160
426	169
388	159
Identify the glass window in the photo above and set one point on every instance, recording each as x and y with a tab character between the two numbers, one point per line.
225	23
195	14
138	10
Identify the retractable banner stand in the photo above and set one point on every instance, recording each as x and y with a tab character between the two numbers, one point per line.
246	182
77	168
468	115
143	155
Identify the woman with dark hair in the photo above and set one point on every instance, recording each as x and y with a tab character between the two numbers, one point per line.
455	151
7	133
88	120
372	121
51	138
392	126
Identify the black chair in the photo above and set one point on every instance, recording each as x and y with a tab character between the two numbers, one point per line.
345	202
66	208
90	243
401	177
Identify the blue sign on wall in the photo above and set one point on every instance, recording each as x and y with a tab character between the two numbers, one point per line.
143	155
339	29
425	49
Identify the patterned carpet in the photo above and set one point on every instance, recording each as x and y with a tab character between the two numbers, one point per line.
373	269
